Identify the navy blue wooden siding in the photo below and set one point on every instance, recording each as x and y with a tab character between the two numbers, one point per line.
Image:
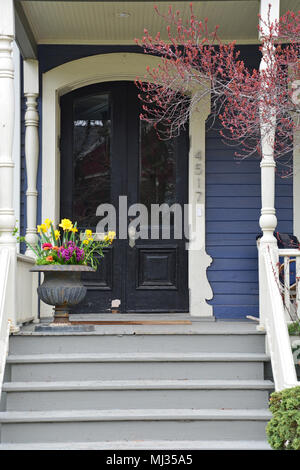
51	55
232	220
232	201
232	214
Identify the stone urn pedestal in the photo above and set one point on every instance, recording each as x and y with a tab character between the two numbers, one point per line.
62	287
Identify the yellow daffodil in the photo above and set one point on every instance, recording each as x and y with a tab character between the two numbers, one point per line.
66	224
86	242
56	234
88	233
110	236
42	228
48	223
74	229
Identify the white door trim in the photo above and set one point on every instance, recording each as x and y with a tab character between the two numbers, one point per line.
111	67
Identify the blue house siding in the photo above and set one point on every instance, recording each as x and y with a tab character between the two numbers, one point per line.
232	214
51	55
233	202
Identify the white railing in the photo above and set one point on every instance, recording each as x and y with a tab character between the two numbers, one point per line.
15	277
273	316
288	269
26	287
4	321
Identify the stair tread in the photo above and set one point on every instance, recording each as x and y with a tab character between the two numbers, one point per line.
134	414
143	444
138	384
196	328
17	425
136	357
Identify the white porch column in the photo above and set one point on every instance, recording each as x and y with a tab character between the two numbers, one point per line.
31	92
268	219
199	260
7	214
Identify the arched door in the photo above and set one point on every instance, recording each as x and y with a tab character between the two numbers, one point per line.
110	156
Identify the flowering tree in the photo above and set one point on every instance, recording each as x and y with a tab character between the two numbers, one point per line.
263	105
192	69
250	104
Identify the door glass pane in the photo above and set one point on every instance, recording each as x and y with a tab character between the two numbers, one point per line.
91	157
157	168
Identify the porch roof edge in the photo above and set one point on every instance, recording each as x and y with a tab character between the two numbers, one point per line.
23	34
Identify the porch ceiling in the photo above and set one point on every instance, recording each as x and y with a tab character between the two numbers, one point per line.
103	22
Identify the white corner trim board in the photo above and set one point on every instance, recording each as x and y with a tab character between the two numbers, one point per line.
111	67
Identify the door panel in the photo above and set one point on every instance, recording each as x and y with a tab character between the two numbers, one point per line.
156	268
107	152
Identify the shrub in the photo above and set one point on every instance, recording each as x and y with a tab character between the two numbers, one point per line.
283	430
294	328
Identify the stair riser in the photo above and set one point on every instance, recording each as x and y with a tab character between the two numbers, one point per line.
135	370
145	445
133	430
232	414
126	399
56	344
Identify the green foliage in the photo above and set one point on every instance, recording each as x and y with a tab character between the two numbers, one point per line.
294	328
283	430
296	349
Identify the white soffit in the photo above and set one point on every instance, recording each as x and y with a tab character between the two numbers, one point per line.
84	22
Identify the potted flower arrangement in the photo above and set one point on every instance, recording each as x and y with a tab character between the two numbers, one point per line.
62	254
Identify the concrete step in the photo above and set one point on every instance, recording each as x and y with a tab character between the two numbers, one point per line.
123	386
211	337
143	445
79	395
134	424
58	367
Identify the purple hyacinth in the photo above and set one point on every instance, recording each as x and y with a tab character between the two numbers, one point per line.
66	252
79	254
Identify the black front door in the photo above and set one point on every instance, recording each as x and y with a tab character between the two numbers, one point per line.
109	156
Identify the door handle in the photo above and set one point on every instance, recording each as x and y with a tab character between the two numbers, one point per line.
131	235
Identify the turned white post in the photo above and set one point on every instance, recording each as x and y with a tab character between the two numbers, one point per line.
7	214
31	92
268	219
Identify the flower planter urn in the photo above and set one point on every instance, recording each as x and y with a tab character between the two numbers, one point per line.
62	287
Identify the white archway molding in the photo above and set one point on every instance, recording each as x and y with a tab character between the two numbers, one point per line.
114	67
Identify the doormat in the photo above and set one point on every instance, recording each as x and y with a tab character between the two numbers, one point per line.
64	328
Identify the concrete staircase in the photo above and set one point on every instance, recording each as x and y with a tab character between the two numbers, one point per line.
197	386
